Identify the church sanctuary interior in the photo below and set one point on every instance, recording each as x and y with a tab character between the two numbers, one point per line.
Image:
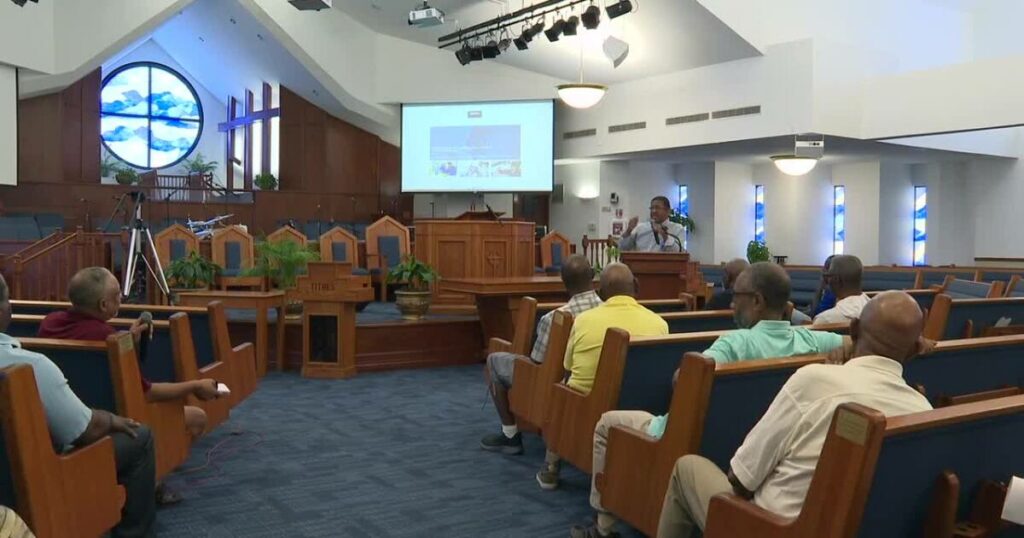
511	268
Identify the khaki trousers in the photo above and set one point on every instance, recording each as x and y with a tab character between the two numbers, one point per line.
695	480
636	420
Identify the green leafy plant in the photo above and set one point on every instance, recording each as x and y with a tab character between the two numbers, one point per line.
416	274
192	271
683	220
126	176
614	254
757	251
197	165
265	181
282	261
108	165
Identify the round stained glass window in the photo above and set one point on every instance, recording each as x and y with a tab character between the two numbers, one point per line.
150	116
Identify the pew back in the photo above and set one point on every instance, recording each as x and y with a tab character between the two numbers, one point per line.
960	367
950	318
699	321
890	278
967	289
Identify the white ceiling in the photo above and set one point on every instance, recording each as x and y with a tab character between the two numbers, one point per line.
838	150
663	35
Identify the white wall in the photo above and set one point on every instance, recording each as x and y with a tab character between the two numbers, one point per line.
211	141
26	35
896	215
700	181
636	182
950	224
573	217
995	189
8	126
798	213
863	189
454	204
734	211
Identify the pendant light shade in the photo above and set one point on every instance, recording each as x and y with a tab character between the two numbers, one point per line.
791	165
581	95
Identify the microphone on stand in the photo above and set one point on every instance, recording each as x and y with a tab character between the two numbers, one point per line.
679	242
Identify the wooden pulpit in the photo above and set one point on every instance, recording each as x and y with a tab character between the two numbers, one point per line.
663	275
329	293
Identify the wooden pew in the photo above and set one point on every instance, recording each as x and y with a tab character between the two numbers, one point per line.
532	383
105	375
186	369
58	495
959	368
952	318
699	321
240	358
967	289
924	298
877	477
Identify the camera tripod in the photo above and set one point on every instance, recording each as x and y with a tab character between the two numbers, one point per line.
140	239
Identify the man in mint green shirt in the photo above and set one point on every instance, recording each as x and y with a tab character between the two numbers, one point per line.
760	297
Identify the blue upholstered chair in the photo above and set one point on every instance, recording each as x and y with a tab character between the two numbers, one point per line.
49	223
23	228
233	249
804	284
554	247
884	279
175	242
387	242
340	245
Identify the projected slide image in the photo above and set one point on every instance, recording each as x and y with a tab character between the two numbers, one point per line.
444	168
475	142
507	168
475	169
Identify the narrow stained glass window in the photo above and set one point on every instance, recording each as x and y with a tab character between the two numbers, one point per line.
838	219
920	224
759	213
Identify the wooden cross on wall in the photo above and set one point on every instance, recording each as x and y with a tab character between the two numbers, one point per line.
245	122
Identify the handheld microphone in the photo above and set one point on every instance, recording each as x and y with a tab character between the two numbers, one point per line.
654	231
147	318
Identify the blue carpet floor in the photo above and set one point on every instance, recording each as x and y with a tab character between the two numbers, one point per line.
392	454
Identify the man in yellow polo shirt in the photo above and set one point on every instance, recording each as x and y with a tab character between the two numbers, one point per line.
621	311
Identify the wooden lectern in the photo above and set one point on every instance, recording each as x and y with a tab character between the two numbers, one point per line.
329	293
663	275
474	249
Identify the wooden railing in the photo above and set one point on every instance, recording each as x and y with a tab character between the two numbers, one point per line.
596	250
10	248
43	272
181	188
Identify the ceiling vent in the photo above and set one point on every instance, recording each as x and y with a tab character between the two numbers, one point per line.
311	5
692	118
627	127
579	134
733	112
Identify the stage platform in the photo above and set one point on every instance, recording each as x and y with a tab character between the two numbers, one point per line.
384	341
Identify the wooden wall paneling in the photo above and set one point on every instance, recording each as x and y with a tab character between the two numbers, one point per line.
90	108
38	132
71	133
314	149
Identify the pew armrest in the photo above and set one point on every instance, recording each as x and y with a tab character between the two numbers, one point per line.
730	516
89	483
499	344
166	420
633	454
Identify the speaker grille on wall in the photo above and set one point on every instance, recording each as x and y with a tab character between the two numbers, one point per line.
733	112
579	134
627	127
557	193
692	118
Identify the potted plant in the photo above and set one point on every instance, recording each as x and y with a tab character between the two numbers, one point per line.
190	273
757	251
265	181
683	220
282	261
108	166
414	299
126	176
198	166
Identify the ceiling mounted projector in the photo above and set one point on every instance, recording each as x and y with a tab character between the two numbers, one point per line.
311	5
426	16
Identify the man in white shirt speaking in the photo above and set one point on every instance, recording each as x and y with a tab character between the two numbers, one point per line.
656	235
843	277
774	465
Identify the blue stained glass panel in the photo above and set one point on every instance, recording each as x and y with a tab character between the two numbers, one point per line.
150	116
759	213
683	208
920	224
838	219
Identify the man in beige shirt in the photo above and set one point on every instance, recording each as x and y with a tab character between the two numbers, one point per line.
774	466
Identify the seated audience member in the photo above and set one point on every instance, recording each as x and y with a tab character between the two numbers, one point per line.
776	461
72	424
657	234
620	310
760	297
723	300
844	279
578	277
823	297
12	526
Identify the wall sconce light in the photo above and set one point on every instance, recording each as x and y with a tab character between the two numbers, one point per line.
588	192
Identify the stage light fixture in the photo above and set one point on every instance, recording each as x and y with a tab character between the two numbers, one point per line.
619	9
555	30
490	49
521	43
534	30
570	25
504	44
476	53
591	17
464	54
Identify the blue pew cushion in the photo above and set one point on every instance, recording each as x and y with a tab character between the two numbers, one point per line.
390	249
232	258
968	289
339	251
178	247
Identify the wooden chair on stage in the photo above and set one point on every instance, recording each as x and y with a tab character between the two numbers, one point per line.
596	250
175	242
387	242
45	488
287	233
554	247
233	249
341	246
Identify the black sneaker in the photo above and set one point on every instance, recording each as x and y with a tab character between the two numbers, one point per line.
499	442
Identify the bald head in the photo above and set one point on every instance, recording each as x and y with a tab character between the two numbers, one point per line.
94	290
732	271
577	274
845	274
617	279
890	325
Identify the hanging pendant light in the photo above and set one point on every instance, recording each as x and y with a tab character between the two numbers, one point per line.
791	165
581	94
